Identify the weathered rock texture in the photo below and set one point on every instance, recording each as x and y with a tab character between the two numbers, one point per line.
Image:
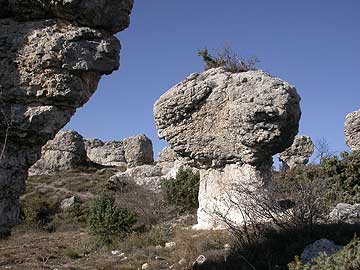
105	153
298	153
352	130
218	118
320	246
65	152
138	151
52	55
347	213
167	155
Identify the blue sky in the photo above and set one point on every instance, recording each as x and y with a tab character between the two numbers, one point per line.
314	45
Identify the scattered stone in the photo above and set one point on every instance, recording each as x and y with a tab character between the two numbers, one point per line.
346	213
298	153
145	266
65	152
52	54
105	153
170	245
320	246
352	130
138	151
69	202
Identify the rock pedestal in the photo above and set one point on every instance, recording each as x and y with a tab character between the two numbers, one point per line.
219	118
352	130
52	56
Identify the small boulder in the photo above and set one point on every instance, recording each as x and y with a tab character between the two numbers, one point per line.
320	246
138	151
167	155
346	213
69	202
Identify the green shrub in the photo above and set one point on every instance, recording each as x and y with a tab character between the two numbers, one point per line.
228	59
183	190
346	259
106	220
39	211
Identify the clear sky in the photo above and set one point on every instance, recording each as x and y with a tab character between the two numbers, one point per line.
313	44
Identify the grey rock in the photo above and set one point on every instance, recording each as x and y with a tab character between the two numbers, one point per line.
105	153
147	176
138	151
230	125
298	153
167	155
64	153
68	202
218	117
352	130
320	246
49	68
199	262
347	213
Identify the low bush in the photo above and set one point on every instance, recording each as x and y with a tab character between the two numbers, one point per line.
106	220
228	59
183	190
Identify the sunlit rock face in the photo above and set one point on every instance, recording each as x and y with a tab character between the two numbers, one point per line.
218	118
52	56
352	130
298	153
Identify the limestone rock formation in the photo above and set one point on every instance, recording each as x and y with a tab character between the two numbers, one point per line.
52	55
65	152
105	153
320	246
352	130
219	118
167	155
138	151
298	153
347	213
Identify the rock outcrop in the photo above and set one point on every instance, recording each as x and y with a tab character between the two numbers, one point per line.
346	213
64	153
320	246
167	155
219	118
105	153
52	55
138	151
352	130
298	153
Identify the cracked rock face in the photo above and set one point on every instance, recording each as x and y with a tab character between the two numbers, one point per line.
138	150
105	153
298	153
230	124
219	118
52	56
352	130
65	152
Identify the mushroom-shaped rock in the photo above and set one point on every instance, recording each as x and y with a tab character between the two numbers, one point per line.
298	153
352	130
138	150
105	153
219	118
52	55
65	152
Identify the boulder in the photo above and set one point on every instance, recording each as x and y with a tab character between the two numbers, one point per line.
105	153
52	55
352	130
138	151
320	246
218	118
347	213
167	155
69	202
298	153
64	153
147	176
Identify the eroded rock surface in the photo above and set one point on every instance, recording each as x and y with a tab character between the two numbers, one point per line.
64	153
347	213
138	150
52	55
219	118
298	153
352	130
106	153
